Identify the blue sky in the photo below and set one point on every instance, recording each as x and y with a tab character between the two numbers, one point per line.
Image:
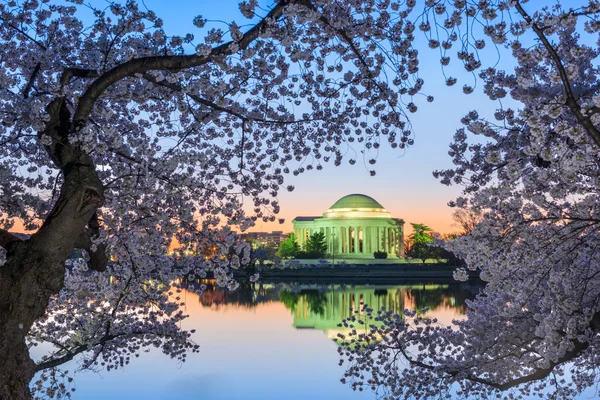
404	183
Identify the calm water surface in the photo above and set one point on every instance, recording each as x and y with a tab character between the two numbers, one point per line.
267	341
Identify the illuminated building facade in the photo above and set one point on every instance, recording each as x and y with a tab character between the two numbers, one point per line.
356	226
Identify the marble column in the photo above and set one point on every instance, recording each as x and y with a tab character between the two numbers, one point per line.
401	241
356	241
344	239
347	240
364	241
385	240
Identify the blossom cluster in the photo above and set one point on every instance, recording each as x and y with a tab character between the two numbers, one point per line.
179	141
532	172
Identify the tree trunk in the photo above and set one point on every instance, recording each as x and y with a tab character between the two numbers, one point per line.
27	280
34	272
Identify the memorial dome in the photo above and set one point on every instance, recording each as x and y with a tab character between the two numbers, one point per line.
356	201
355	226
356	206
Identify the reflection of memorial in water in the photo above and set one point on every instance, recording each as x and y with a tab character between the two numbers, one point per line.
323	307
324	310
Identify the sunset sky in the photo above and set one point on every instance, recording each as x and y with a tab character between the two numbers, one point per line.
404	184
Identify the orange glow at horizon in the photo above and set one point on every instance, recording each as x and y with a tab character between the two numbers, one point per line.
440	220
432	212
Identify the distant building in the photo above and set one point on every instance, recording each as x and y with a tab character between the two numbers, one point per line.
356	226
265	239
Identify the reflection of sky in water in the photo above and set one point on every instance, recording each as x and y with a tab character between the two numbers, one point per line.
250	349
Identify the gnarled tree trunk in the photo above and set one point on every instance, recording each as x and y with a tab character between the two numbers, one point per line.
34	268
27	280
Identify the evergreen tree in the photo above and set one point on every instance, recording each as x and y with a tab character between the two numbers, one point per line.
420	243
316	245
422	234
289	247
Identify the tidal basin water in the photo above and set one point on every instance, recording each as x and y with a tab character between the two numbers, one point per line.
267	341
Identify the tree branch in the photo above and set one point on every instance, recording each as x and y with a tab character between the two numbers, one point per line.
171	63
215	106
197	99
98	258
29	85
55	362
6	237
585	122
537	374
22	32
81	192
76	72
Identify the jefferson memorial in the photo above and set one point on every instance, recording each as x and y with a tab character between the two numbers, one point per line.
355	227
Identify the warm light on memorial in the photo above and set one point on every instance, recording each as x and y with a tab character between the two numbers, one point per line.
355	226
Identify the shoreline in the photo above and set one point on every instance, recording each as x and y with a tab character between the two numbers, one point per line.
379	273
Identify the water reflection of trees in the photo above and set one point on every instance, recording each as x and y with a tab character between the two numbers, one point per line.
448	296
317	301
247	295
329	301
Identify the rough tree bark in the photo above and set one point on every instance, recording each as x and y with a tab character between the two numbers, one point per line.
34	268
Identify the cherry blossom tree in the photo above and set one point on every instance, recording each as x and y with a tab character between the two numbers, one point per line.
533	174
117	138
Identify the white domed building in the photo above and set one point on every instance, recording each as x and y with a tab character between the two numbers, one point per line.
355	226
